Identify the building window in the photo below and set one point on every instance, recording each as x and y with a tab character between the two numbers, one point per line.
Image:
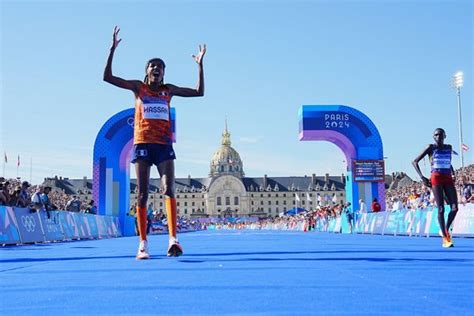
284	194
293	202
177	203
276	210
161	204
269	210
185	211
192	204
177	196
236	200
193	196
269	202
284	202
269	195
261	195
202	203
219	201
261	202
276	195
252	202
276	202
185	196
227	200
186	203
303	202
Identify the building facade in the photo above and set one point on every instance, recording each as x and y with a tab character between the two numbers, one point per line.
227	192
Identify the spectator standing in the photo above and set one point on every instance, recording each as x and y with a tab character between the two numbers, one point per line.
91	208
24	197
375	206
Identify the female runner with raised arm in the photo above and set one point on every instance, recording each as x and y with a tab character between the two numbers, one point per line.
152	137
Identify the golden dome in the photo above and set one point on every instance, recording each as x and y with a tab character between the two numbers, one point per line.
226	160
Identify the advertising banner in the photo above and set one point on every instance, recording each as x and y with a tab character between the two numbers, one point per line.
92	221
464	222
378	222
82	225
51	226
29	225
116	232
102	226
8	226
69	226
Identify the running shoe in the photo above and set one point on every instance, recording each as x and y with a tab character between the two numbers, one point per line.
143	253
450	239
447	243
174	248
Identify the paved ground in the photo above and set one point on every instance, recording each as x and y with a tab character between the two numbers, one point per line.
242	272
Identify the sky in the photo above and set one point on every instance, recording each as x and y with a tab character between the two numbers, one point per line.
392	60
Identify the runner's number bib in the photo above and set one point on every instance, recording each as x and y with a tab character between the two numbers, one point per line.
155	111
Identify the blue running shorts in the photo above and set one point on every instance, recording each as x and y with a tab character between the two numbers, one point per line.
153	153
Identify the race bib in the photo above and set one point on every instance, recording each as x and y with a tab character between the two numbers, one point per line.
442	161
155	111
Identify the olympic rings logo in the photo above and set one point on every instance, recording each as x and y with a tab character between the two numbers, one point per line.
28	222
131	122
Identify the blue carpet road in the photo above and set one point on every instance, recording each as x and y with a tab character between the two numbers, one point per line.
241	273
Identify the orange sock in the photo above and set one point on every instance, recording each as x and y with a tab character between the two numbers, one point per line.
142	222
170	204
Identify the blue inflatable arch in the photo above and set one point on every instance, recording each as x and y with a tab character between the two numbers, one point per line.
358	138
111	165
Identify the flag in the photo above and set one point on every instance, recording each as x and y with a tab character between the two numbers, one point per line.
18	163
464	147
6	159
307	197
319	198
297	197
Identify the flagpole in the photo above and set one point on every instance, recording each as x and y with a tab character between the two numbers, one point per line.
17	166
31	170
458	82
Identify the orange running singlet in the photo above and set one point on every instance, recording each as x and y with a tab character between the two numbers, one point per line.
152	116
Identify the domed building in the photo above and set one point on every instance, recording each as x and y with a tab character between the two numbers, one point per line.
227	192
226	160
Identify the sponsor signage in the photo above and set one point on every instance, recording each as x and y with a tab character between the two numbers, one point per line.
8	226
29	225
51	226
368	170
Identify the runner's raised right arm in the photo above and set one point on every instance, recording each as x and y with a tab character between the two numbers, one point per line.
109	77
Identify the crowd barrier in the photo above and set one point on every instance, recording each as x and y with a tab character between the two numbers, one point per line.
419	222
21	226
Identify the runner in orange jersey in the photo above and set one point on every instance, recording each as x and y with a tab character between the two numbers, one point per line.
152	137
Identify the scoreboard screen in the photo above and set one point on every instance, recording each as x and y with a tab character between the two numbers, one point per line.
368	170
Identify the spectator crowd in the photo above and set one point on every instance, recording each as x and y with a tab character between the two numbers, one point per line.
16	193
410	195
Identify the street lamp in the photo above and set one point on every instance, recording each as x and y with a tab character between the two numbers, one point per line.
458	81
